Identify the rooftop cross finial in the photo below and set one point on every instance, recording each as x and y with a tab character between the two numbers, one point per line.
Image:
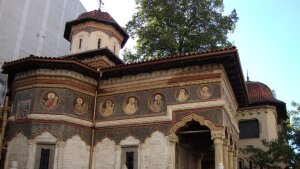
100	4
247	77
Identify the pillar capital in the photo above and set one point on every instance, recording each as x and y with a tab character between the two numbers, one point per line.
231	149
217	135
31	141
60	144
173	138
226	142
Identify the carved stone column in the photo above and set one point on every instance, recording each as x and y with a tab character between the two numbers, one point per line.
173	139
60	150
230	157
235	159
225	154
217	137
31	154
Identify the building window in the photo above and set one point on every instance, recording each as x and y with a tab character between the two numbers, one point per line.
44	156
99	44
80	43
129	157
250	165
249	129
240	164
44	160
114	49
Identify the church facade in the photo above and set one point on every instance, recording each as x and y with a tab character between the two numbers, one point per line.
90	110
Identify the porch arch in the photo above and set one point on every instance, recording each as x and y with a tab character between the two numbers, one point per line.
200	119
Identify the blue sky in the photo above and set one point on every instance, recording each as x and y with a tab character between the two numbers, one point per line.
267	36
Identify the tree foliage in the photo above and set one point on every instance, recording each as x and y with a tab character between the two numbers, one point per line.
168	27
283	150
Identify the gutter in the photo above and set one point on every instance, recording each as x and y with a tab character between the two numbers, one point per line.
94	123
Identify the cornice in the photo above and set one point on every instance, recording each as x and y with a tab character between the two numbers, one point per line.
257	110
166	74
60	118
56	72
97	58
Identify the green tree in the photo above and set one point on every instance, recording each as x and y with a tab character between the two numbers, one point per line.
169	27
283	150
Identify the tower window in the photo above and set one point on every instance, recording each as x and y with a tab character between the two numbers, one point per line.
99	44
114	48
80	43
249	129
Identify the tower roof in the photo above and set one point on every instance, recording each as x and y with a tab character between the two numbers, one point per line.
260	94
95	16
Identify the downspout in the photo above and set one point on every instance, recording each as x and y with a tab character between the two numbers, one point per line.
94	123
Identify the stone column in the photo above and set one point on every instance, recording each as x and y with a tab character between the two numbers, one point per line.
230	157
199	160
235	159
173	139
31	154
217	137
60	147
225	154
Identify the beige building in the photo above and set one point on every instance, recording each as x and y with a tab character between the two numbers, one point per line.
91	110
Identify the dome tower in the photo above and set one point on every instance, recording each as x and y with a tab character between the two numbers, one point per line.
95	30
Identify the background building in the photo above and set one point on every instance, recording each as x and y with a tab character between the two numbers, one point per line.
35	27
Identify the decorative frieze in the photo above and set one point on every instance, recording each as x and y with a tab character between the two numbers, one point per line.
24	108
162	118
166	74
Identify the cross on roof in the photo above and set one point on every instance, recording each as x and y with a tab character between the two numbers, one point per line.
100	4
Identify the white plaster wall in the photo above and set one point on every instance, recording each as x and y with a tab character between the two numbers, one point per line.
35	27
155	152
90	42
76	154
105	154
267	123
17	150
272	125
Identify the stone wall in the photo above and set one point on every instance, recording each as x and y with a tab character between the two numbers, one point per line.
17	150
76	154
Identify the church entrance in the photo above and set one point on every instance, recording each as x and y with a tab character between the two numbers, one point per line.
195	149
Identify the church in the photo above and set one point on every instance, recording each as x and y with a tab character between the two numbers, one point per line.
91	110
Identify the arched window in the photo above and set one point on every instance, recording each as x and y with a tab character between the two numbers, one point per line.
240	164
249	129
250	165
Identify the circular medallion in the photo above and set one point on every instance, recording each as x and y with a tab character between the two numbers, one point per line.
131	105
205	92
49	100
181	95
80	106
107	108
157	103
